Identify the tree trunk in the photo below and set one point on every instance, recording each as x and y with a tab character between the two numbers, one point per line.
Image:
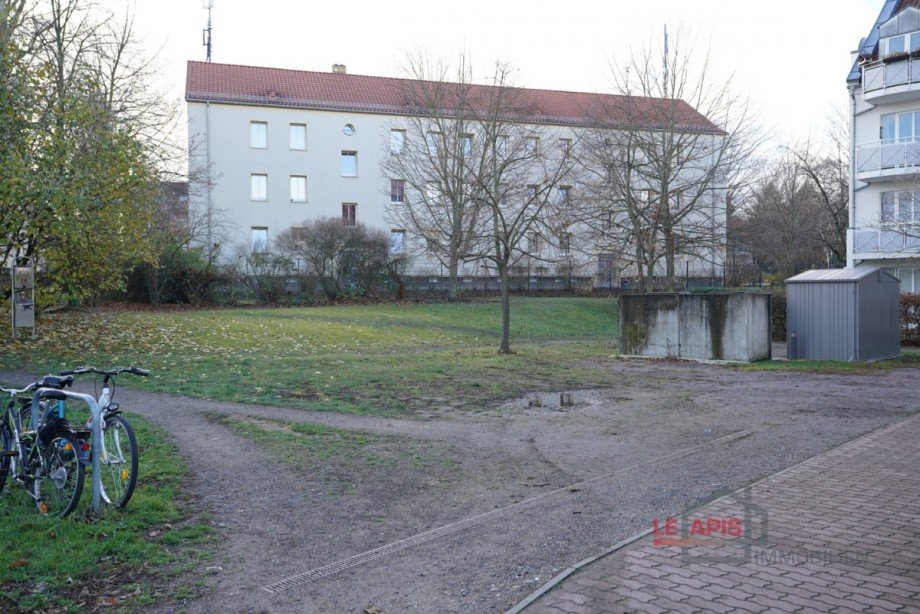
669	260
505	347
452	284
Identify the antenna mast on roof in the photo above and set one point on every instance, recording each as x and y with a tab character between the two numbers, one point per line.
666	67
206	34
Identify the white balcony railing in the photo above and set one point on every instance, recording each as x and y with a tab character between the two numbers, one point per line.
873	158
881	76
895	241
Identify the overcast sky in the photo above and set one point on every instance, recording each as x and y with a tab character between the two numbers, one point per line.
790	56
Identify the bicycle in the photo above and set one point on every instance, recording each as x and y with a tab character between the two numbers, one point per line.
118	449
48	462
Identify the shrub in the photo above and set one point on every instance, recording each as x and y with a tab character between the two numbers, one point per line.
779	314
910	319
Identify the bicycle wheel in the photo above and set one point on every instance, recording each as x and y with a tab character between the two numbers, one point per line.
118	461
6	447
58	491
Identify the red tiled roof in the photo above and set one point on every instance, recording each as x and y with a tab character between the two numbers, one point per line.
230	83
906	3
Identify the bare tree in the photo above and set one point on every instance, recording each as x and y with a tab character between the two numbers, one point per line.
428	161
663	155
516	170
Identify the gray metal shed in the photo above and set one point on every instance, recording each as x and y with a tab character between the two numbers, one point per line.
847	314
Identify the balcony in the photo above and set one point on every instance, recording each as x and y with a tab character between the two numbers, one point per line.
891	82
887	160
888	242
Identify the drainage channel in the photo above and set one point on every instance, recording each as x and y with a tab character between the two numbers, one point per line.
443	531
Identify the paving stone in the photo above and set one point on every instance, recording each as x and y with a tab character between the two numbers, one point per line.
844	536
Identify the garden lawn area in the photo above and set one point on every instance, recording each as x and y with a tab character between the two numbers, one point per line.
125	558
907	360
383	359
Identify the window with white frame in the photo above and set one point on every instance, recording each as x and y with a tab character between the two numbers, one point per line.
298	136
349	164
433	139
534	245
565	243
298	188
397	141
466	144
258	187
533	145
531	193
900	127
565	145
259	239
564	193
258	135
901	43
501	146
900	207
432	192
397	191
397	242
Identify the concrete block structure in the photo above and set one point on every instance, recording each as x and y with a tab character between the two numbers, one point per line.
713	326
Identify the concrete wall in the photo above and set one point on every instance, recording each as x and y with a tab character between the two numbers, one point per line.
704	326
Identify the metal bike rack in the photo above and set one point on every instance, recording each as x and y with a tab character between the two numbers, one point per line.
95	412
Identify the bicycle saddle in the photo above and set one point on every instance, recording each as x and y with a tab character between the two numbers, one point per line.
54	381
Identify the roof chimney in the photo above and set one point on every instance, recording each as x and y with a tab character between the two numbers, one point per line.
338	69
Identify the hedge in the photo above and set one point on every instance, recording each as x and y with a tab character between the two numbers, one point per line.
910	318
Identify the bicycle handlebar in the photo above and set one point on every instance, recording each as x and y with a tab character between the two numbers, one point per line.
108	373
49	381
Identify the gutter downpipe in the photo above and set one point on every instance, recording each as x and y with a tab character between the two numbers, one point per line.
851	247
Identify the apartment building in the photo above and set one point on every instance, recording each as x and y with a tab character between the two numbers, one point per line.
884	85
285	146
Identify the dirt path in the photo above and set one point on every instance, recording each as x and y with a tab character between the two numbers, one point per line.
532	490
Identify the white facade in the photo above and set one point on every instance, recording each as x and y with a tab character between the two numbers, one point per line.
272	167
885	140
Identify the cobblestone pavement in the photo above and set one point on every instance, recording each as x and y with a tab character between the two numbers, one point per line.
839	532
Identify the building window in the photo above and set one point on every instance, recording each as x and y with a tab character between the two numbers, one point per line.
466	144
566	146
298	189
348	130
397	141
900	127
902	43
349	164
533	145
564	192
532	191
533	242
397	241
565	243
900	207
298	136
259	239
349	217
432	192
258	187
433	139
258	135
397	191
501	146
299	234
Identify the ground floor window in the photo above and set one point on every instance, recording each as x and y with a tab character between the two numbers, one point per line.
397	241
259	239
909	276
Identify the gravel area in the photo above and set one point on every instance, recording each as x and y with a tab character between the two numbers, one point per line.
556	484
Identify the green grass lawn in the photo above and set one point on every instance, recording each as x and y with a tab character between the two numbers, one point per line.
384	359
119	557
906	360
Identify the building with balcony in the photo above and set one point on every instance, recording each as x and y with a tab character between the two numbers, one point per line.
280	147
884	84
